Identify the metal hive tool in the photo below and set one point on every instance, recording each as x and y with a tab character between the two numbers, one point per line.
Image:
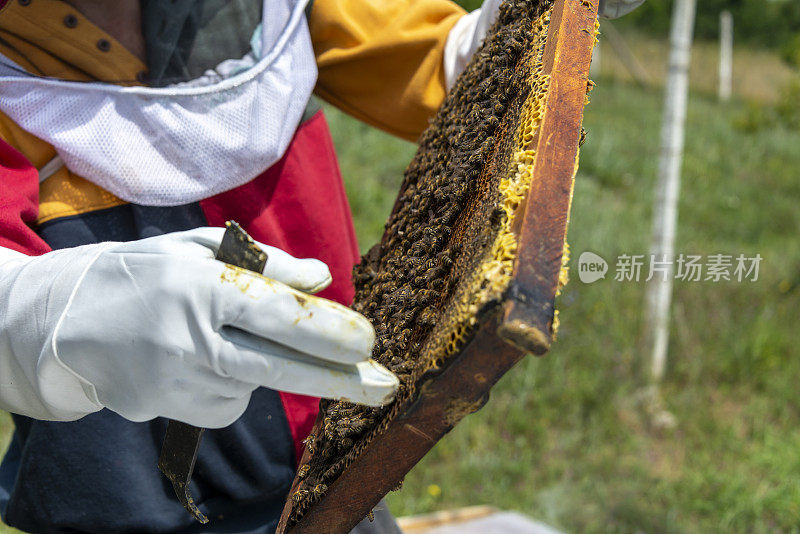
182	441
464	280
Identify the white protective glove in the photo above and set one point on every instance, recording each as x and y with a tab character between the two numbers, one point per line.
464	39
612	9
467	34
158	327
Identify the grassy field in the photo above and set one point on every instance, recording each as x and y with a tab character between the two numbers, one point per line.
564	438
758	74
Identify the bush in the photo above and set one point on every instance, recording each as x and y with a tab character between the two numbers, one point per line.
759	22
758	116
790	51
788	107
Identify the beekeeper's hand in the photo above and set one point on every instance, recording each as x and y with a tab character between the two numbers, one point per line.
612	9
158	327
467	34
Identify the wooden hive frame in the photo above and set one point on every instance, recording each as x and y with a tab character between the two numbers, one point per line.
524	321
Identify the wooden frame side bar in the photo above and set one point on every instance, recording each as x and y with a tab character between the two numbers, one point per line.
542	230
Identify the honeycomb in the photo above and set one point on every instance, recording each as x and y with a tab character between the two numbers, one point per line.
447	254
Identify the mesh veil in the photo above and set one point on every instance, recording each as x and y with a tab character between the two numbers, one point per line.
185	38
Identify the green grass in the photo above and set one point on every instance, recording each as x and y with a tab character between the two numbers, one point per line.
563	437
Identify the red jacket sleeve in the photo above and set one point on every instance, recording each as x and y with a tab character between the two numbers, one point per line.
19	202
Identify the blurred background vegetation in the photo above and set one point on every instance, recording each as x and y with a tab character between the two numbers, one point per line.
760	23
564	438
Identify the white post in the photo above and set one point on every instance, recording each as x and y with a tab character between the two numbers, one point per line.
665	213
725	56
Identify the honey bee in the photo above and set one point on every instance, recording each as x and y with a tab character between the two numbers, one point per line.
408	316
309	443
405	367
444	259
427	317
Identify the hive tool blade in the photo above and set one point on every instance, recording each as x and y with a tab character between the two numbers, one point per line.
182	441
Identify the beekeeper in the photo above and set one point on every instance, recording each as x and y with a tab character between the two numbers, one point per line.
130	131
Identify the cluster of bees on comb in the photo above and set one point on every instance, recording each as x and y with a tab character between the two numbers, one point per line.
440	230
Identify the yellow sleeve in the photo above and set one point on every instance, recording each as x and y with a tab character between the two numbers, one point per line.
381	60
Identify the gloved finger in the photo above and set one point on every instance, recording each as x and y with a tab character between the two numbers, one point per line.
216	382
308	275
202	395
207	399
271	310
279	367
208	410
